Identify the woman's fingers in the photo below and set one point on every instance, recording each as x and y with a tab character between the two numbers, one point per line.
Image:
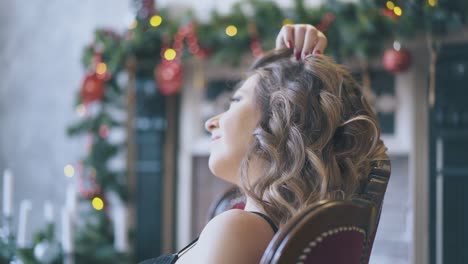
321	43
305	39
310	40
285	37
299	35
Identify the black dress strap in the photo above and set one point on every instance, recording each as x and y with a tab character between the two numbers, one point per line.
187	248
268	219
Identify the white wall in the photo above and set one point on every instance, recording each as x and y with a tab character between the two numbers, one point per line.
41	43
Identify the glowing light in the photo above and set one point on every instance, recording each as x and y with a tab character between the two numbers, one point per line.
287	21
98	203
134	24
155	21
69	171
81	110
231	30
92	173
170	54
432	3
397	10
101	68
390	5
396	45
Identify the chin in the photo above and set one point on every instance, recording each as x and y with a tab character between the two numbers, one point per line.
223	170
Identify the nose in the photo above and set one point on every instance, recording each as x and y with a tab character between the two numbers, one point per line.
212	123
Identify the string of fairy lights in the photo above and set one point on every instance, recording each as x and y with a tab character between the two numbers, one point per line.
398	11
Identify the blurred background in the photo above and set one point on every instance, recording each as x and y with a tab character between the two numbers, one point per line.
103	154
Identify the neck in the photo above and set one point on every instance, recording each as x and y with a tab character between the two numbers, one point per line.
250	205
255	171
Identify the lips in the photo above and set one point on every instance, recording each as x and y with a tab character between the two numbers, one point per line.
213	138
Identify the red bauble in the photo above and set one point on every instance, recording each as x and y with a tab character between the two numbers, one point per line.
103	131
396	61
93	88
169	77
88	187
388	13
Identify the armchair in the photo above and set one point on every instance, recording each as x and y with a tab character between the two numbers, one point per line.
326	232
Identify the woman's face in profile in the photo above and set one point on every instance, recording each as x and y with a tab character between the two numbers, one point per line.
231	132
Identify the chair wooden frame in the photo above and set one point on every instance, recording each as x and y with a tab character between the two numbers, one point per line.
320	219
374	192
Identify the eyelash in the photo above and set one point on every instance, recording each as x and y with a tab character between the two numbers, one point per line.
234	99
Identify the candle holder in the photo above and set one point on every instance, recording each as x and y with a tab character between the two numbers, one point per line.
69	258
6	237
5	230
16	260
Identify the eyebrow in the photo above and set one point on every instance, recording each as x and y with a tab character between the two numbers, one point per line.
237	88
238	85
240	91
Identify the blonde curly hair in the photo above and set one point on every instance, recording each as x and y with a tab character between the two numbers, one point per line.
316	135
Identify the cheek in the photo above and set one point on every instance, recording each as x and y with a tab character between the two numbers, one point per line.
226	153
238	130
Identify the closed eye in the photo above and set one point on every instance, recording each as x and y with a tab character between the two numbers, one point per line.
232	100
235	99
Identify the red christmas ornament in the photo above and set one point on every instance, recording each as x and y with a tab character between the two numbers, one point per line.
388	13
103	131
168	74
145	8
93	84
87	185
92	88
396	61
326	21
255	45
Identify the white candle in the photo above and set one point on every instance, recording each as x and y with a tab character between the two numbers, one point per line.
25	207
71	198
67	232
48	212
120	228
7	193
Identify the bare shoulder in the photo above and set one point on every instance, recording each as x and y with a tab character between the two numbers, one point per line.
235	236
240	224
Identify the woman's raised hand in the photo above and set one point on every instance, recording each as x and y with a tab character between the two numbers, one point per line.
303	38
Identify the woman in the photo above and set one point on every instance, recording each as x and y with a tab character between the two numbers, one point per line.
297	130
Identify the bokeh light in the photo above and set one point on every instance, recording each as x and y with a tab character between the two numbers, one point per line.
390	5
69	171
398	11
92	173
81	110
155	21
231	30
170	54
134	24
101	68
287	21
98	203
